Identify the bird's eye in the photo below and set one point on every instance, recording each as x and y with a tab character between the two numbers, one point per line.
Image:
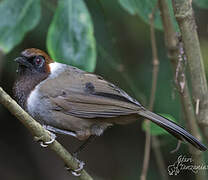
39	61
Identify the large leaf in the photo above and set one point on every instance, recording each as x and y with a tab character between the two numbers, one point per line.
17	18
156	130
144	8
201	3
70	38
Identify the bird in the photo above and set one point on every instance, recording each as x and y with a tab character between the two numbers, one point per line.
70	101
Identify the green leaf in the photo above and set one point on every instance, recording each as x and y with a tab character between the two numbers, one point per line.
70	38
144	8
201	3
17	18
156	130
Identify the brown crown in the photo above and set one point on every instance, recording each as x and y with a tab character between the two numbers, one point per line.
31	52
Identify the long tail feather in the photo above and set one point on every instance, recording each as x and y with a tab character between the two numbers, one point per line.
172	128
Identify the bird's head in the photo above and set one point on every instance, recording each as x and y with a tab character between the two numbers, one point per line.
33	61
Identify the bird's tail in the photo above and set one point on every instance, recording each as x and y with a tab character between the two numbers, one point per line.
172	128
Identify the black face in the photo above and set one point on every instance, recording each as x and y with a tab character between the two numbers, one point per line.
30	65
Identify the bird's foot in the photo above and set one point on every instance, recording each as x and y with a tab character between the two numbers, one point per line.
76	172
46	143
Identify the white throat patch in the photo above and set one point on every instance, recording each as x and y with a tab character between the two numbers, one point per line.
56	69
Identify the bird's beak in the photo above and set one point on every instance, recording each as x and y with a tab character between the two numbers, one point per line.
23	62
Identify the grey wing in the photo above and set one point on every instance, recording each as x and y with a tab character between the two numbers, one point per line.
86	95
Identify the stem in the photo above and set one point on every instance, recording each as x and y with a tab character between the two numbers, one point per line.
159	158
146	151
181	82
40	133
155	63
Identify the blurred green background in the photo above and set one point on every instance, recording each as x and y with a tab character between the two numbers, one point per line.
124	57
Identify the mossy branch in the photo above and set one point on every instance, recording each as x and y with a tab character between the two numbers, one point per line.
40	133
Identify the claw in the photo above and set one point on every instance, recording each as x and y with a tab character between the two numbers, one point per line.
74	173
45	144
81	166
42	144
77	172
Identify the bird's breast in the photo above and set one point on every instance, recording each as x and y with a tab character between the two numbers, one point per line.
38	106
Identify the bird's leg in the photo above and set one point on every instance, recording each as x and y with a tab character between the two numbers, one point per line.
53	130
59	131
77	172
64	132
83	145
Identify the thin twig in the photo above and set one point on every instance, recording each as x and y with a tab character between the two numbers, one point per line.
38	131
171	43
155	63
147	148
159	158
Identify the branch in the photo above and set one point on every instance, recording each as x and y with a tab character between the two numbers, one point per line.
40	133
185	17
181	82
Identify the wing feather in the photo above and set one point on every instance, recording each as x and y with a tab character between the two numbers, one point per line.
86	95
